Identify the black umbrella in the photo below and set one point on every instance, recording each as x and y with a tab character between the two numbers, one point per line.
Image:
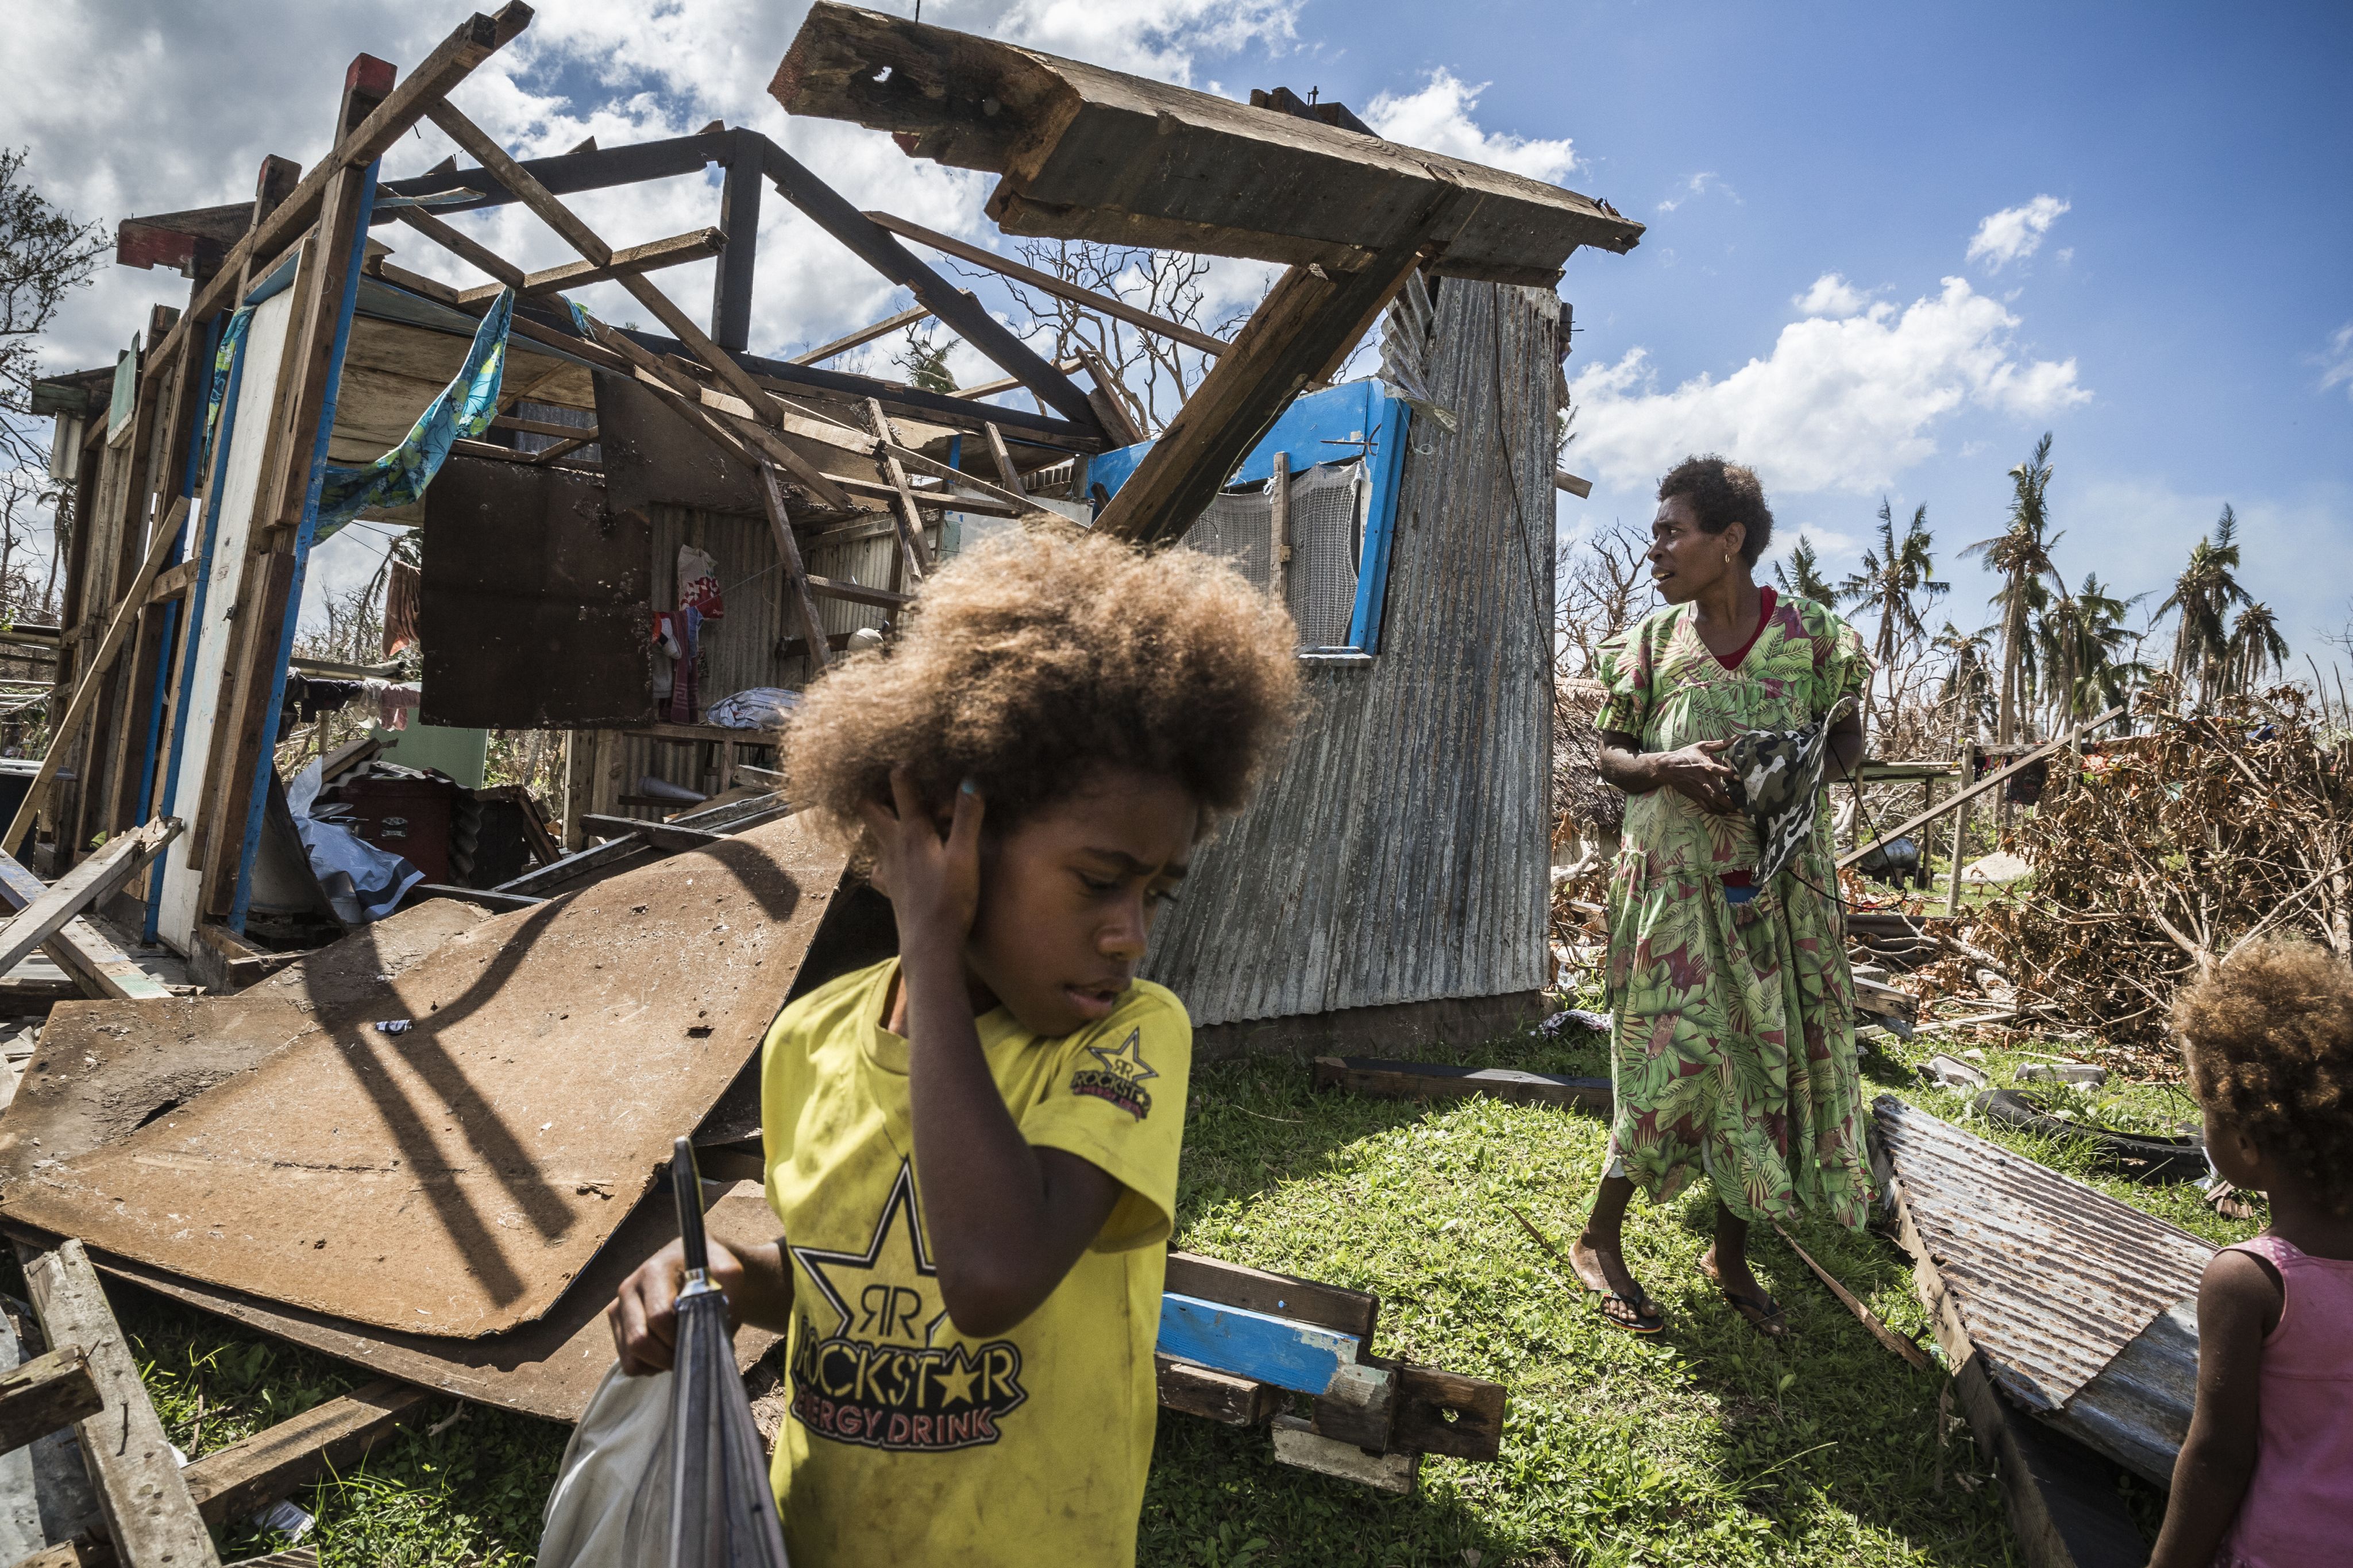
722	1511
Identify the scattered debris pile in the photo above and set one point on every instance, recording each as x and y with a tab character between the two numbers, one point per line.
2167	850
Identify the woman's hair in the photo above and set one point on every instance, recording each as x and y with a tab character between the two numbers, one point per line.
2268	1036
1037	658
1722	494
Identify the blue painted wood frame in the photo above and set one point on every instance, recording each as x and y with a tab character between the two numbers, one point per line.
1289	1354
266	765
225	433
1354	418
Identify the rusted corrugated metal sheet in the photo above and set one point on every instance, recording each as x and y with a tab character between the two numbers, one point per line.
1397	851
2082	1308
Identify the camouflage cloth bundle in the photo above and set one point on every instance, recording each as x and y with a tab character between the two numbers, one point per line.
1776	780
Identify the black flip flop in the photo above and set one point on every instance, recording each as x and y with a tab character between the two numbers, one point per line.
1638	1321
1761	1310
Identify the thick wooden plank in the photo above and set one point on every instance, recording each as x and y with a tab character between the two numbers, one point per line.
145	1497
864	335
99	967
48	1392
1047	283
1279	1351
1298	1443
1434	1080
857	593
93	680
912	563
487	897
1006	474
1215	1395
661	835
115	863
1446	1412
650	257
249	1475
1087	152
1353	1313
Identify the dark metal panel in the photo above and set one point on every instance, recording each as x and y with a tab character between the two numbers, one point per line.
654	458
536	608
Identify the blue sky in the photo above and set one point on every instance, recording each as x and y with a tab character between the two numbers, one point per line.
2164	281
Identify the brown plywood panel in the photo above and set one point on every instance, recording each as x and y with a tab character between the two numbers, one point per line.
104	1069
536	610
453	1179
547	1368
654	458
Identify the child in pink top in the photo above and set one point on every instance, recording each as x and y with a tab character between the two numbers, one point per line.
2265	1476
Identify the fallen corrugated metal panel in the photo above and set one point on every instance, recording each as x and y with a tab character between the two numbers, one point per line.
2082	1308
1397	850
547	1368
454	1176
104	1069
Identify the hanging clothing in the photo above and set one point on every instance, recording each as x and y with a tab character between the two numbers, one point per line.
463	409
697	584
394	702
1732	1041
308	697
403	603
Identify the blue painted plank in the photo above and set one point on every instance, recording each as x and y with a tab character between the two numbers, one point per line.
1325	426
1385	473
1294	1355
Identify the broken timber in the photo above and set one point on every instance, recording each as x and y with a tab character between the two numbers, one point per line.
1434	1080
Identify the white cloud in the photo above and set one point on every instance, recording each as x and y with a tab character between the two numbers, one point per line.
2014	234
1698	186
1437	120
1831	296
2336	361
1841	404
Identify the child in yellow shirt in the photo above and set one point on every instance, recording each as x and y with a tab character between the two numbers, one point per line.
972	1147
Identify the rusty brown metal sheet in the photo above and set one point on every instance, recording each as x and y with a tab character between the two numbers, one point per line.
547	1368
455	1177
2051	1279
537	600
103	1069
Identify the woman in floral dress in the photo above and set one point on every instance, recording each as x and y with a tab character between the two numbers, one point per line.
1733	1039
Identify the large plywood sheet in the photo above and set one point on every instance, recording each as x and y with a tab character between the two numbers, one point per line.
452	1179
240	482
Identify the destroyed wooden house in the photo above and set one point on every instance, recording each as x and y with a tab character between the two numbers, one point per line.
425	1146
1414	546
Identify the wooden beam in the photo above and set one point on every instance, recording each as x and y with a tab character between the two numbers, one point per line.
796	582
1977	789
864	335
1303	1357
48	1392
466	248
1046	282
86	690
910	526
991	388
930	496
114	863
142	1493
175	584
955	308
583	239
908	458
1353	1312
1006	474
97	967
661	835
1309	317
858	594
1215	1395
651	257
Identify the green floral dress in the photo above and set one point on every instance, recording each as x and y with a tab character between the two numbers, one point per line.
1733	1041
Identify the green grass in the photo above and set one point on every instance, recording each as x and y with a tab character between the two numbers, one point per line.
1707	1445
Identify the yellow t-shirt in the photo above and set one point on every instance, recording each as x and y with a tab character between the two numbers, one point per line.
908	1442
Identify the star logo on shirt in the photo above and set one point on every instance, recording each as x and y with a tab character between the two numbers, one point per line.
896	1300
1126	1058
1120	1076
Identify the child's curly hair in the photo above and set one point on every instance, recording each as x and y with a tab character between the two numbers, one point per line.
1034	659
2268	1036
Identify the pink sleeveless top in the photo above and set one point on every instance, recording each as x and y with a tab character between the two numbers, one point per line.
2299	1503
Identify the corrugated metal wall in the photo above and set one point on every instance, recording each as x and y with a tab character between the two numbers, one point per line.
1399	851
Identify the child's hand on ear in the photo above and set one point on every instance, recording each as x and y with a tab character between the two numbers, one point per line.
933	880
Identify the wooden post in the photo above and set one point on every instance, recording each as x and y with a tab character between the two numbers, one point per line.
1009	476
1961	829
141	1491
909	521
788	557
739	218
1278	527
